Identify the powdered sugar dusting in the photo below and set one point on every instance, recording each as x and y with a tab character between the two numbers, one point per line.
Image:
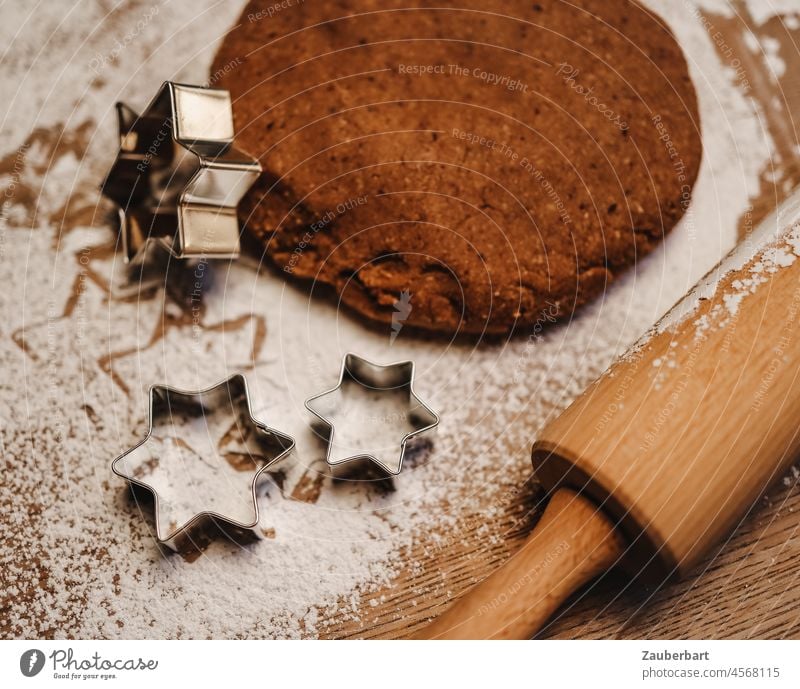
772	259
80	346
763	10
766	260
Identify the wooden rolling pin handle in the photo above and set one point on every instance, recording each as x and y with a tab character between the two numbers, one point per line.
572	543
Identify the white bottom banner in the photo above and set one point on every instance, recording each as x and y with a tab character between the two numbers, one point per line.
389	664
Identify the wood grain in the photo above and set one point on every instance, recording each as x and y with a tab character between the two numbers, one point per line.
749	587
572	543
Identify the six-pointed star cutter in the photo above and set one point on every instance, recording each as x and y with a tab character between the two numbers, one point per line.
272	444
375	381
178	178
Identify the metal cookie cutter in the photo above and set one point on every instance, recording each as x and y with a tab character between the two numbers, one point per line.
244	445
371	411
178	177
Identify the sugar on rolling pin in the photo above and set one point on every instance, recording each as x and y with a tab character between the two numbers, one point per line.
661	456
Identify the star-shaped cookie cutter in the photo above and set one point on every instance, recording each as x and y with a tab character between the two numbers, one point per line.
178	178
166	400
397	379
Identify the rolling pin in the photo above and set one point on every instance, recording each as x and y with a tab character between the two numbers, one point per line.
661	456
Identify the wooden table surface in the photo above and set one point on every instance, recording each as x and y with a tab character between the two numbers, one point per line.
747	589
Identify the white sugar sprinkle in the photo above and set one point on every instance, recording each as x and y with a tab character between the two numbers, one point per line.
81	561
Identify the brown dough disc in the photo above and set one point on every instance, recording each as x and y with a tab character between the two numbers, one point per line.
500	161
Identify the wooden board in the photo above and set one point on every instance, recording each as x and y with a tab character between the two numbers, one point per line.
745	590
748	589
